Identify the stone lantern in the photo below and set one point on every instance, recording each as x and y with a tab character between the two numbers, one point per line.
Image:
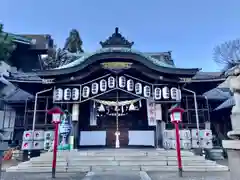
233	146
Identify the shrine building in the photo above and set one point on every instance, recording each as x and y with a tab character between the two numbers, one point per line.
114	89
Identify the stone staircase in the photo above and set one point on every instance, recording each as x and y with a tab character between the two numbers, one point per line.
117	159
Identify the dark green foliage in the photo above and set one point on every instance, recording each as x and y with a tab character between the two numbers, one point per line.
71	51
73	43
6	45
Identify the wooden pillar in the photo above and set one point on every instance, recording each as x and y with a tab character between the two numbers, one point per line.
208	125
164	121
158	108
75	118
162	129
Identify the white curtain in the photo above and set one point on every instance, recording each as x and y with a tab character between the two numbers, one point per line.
93	138
141	138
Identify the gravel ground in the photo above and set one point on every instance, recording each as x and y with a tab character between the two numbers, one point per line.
190	176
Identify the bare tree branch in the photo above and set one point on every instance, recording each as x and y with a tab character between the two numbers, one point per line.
227	54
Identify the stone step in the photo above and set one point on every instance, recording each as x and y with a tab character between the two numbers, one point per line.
87	163
185	168
115	168
170	153
117	154
120	156
104	160
111	158
194	158
121	168
160	158
192	163
49	169
119	163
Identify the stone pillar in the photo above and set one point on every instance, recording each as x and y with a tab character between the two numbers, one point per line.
233	146
75	119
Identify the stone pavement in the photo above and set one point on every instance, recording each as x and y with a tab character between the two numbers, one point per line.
189	176
113	175
41	176
9	163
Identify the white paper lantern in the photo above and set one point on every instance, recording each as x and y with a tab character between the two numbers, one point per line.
138	88
85	92
157	93
122	81
103	85
111	82
67	94
75	94
174	93
147	91
165	92
58	94
130	85
94	88
56	117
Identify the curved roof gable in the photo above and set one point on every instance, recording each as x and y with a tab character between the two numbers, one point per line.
118	46
118	43
124	53
86	56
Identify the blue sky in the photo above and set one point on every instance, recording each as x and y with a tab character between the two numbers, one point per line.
189	28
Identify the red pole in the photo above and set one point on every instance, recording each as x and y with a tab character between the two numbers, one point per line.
54	161
178	149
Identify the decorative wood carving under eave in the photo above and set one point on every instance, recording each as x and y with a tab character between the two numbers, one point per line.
116	40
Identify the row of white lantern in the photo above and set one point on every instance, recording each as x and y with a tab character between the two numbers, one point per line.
66	94
74	94
159	93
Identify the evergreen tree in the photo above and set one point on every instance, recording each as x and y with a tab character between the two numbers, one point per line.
6	45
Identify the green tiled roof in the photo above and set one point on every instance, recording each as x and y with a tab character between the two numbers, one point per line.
85	56
18	38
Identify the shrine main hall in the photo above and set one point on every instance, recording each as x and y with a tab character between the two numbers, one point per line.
115	89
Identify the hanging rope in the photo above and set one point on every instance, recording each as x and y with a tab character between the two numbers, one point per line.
115	103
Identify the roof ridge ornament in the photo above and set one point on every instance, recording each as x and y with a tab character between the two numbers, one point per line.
116	40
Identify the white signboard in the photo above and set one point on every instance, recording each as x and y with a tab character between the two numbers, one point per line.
151	112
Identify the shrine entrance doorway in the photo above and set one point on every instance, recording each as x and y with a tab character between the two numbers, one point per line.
118	112
122	113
